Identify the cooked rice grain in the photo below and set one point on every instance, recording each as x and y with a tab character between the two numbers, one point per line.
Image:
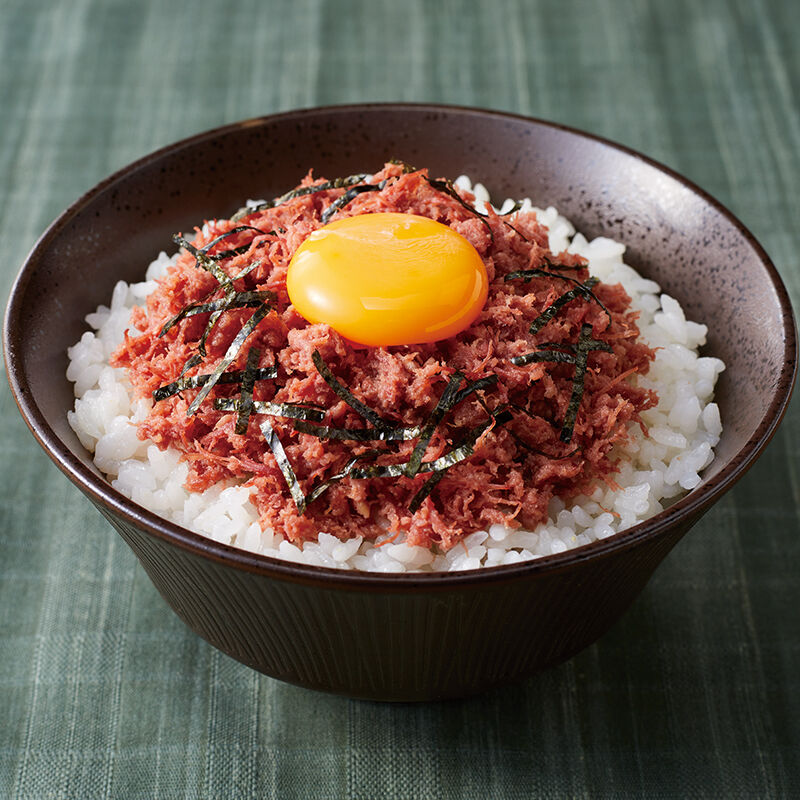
683	430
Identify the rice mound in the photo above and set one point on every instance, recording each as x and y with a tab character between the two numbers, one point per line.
655	469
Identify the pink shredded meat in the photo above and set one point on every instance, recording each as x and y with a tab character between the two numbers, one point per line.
517	465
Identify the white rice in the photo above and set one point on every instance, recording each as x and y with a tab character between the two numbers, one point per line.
684	429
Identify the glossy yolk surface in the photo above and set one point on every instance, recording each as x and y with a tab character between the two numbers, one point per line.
388	279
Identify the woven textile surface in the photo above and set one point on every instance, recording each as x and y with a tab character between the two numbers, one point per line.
105	693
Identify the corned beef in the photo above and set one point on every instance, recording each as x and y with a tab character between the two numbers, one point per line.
517	466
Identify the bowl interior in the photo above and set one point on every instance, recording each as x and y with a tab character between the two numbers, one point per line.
675	235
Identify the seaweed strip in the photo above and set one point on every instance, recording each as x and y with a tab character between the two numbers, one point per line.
246	271
407	168
458	453
563	266
446	402
581	290
446	187
579	357
543	355
230	355
201	259
527	274
425	490
212	321
245	408
236	251
480	383
348	197
336	183
301	500
358	434
553	309
467	445
288	410
238	229
228	303
242	300
517	205
207	263
348	397
282	460
323	487
192	382
585	345
191	362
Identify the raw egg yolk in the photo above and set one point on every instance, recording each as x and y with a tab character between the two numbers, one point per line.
388	279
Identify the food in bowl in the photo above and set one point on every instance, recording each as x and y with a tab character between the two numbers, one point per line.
569	405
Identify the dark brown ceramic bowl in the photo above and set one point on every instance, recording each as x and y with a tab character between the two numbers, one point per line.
405	637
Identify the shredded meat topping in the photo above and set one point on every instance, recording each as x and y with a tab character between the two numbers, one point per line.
520	460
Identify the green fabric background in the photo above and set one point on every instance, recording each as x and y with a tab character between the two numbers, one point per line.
104	693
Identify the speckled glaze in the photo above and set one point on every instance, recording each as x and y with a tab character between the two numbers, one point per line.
405	637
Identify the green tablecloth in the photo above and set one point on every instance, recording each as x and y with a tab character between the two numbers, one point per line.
104	693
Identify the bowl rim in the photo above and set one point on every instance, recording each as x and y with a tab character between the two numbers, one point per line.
103	494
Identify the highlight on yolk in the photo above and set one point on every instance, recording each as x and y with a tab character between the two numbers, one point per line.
388	279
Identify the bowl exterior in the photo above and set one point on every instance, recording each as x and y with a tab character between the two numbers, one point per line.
419	644
405	637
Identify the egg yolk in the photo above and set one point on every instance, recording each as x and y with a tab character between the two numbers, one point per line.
388	279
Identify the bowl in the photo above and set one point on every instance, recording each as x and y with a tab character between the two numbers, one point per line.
410	636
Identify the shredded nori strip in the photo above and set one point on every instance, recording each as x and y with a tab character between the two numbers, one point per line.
206	262
282	460
323	487
407	168
425	490
348	197
358	434
230	355
244	271
191	362
301	500
446	402
212	321
585	345
543	355
288	410
553	265
228	303
230	300
446	187
474	386
336	183
201	259
192	382
579	358
581	290
459	453
516	206
369	415
236	250
238	300
245	408
464	449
